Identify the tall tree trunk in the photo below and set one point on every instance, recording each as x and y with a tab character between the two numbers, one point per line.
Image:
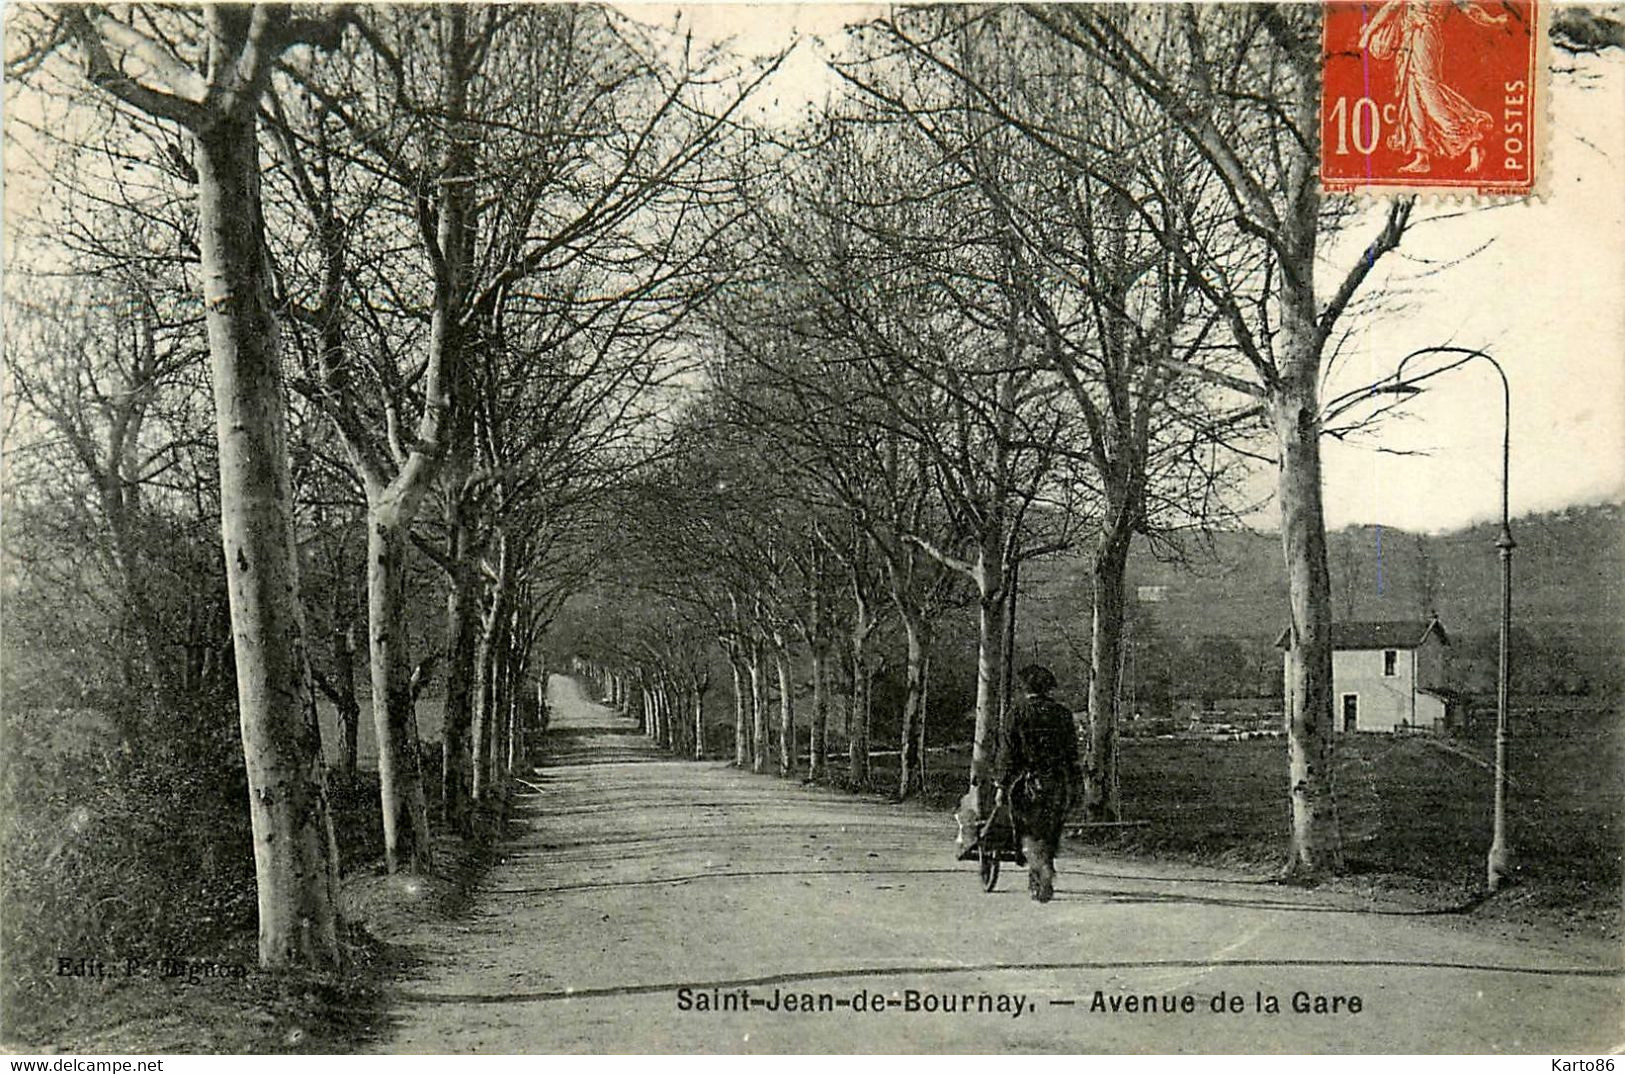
118	486
818	733
1315	840
699	722
669	707
514	735
817	638
392	506
676	717
493	640
295	854
1007	641
758	709
1294	414
787	713
462	609
479	743
345	703
683	717
989	641
910	773
407	846
501	671
857	759
662	714
462	620
741	713
516	699
120	507
925	713
1100	800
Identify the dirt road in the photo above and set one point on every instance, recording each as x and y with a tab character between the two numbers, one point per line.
655	905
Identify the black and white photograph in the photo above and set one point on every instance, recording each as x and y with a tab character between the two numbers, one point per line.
806	528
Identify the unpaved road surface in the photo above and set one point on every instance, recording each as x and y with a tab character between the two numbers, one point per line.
631	878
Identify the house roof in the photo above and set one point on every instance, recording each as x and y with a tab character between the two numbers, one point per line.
1386	634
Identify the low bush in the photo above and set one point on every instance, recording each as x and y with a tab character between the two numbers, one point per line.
112	852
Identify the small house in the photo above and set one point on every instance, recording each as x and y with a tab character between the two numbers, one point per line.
1386	676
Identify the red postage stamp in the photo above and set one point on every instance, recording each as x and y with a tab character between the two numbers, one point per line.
1431	96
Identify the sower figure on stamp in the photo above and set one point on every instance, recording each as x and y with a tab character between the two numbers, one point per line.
1038	772
1433	118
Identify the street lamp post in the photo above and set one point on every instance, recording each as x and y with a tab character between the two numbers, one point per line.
1500	855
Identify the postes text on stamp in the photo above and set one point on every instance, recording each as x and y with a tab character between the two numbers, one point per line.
1431	96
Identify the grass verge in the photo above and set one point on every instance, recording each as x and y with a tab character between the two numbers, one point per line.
256	1012
1415	814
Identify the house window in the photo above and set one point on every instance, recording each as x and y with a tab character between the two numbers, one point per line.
1351	712
1390	663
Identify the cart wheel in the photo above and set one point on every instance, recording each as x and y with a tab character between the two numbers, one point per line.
989	862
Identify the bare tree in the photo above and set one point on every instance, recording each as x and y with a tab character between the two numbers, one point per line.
1114	314
295	855
1241	85
548	165
914	278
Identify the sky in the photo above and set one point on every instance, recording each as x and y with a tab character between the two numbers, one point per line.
1540	285
1546	298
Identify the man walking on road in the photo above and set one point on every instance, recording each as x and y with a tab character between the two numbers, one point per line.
1038	772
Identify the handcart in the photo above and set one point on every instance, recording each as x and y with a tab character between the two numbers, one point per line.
995	837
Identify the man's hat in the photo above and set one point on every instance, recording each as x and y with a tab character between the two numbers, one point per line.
1036	679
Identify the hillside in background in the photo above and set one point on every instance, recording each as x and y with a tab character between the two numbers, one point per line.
1213	629
1212	634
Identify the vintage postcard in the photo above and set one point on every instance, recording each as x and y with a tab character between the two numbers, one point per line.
813	528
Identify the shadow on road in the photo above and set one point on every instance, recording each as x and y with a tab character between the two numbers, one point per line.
1168	898
631	875
723	874
598	746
